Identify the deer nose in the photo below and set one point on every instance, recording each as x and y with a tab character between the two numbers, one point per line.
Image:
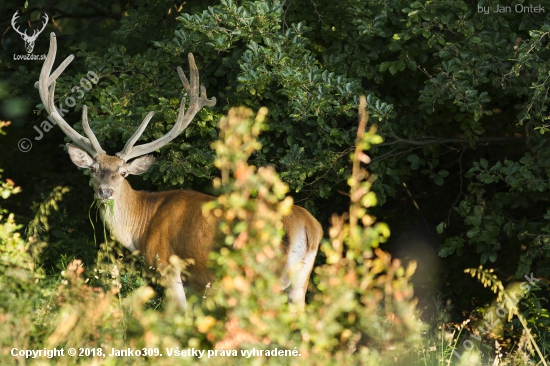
105	193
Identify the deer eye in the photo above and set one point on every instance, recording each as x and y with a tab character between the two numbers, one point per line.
124	174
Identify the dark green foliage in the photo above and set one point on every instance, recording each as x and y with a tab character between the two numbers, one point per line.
459	96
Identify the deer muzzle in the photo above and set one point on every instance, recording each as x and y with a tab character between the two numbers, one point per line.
105	193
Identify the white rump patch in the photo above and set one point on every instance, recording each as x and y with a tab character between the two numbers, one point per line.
297	269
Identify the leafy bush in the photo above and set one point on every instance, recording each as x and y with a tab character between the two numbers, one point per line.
361	309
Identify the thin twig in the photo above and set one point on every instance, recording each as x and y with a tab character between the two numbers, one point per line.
460	193
417	207
316	12
284	16
440	141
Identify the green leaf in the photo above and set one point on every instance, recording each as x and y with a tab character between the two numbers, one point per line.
441	227
472	233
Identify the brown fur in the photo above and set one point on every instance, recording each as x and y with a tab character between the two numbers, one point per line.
171	214
163	224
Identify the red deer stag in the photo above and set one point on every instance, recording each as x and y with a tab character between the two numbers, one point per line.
163	224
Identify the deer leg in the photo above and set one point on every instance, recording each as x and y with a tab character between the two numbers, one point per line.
176	289
170	270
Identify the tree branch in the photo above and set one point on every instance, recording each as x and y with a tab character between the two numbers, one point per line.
441	141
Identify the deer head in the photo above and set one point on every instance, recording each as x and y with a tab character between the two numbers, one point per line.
29	40
108	172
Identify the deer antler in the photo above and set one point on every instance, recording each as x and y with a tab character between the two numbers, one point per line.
197	100
15	27
46	88
35	33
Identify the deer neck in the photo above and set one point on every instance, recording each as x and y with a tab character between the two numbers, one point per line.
126	219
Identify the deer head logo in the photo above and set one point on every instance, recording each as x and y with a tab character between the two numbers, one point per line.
29	40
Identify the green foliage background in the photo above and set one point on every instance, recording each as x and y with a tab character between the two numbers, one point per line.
459	97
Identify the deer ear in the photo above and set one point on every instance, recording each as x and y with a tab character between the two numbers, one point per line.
79	157
140	165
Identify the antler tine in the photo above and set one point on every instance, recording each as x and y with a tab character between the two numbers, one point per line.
184	80
36	32
13	19
194	76
204	99
89	132
46	89
58	71
77	138
193	88
130	143
188	88
45	22
197	100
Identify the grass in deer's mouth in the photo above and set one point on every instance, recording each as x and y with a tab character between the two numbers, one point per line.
109	205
